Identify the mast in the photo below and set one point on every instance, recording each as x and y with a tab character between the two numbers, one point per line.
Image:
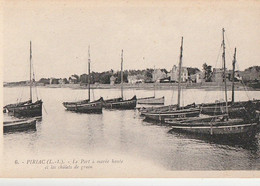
30	71
179	78
233	76
89	73
224	65
122	80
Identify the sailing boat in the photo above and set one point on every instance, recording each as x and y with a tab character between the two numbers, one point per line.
151	100
26	108
120	103
235	109
178	111
85	106
222	125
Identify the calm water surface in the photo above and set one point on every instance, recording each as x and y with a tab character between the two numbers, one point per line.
125	132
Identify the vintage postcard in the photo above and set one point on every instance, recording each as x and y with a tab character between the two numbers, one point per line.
130	89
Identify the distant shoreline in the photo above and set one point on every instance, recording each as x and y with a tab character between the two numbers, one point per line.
148	86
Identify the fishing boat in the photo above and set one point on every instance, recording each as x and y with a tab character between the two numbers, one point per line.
26	108
120	103
144	110
175	112
19	125
85	106
152	100
220	125
235	109
231	129
178	113
167	108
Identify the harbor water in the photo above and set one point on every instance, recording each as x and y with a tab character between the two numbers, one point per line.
124	133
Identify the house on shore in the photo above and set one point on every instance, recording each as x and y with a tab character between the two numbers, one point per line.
197	78
250	74
159	74
73	80
218	75
174	73
133	79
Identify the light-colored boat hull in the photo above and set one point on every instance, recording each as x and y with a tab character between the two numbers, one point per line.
151	101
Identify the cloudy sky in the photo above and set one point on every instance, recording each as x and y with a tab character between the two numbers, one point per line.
148	31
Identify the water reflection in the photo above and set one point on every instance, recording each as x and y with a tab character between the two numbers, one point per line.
120	132
251	144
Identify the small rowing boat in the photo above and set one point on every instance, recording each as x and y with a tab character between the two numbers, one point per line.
19	125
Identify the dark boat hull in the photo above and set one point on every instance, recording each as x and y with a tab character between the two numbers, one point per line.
19	125
235	110
173	114
120	103
168	108
89	107
26	110
242	131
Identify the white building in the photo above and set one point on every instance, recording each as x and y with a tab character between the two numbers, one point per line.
174	73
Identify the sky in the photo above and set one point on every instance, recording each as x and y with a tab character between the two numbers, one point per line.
149	32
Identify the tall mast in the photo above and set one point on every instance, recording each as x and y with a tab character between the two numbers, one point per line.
179	78
89	73
122	80
30	71
233	76
224	65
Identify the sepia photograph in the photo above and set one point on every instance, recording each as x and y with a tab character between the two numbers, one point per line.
130	89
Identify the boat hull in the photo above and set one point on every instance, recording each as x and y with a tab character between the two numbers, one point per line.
225	131
120	104
26	110
172	114
90	107
168	108
235	110
151	101
19	125
157	109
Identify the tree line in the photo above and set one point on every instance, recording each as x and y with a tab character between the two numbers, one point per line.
146	74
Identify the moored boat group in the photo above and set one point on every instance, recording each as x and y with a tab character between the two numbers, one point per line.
229	119
221	119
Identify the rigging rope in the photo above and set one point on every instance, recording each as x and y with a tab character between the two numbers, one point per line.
229	51
23	87
243	83
215	66
182	96
34	82
172	94
93	95
44	109
173	87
